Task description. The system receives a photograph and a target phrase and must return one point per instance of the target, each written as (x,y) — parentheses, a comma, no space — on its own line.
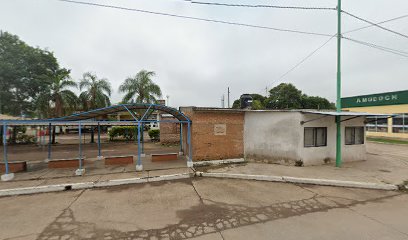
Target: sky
(195,61)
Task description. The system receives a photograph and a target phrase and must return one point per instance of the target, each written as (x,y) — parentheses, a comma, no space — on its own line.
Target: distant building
(387,103)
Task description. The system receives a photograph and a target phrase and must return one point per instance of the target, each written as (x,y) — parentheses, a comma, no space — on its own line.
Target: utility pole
(223,101)
(228,98)
(338,102)
(266,91)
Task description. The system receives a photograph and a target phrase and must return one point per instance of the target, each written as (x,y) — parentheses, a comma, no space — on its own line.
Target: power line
(378,23)
(375,24)
(304,59)
(197,18)
(259,6)
(382,48)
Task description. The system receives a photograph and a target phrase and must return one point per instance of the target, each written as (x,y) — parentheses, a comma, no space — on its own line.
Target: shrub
(126,132)
(154,134)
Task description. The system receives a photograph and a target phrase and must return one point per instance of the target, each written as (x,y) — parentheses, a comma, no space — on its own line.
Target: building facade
(292,137)
(386,103)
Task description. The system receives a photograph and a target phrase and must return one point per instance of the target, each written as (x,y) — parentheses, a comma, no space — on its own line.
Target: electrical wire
(382,48)
(259,6)
(302,61)
(378,23)
(197,18)
(375,24)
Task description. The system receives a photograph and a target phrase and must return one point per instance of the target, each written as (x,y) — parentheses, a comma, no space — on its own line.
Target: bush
(126,132)
(154,134)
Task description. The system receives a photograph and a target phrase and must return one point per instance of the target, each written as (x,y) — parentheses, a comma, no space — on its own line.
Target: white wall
(272,136)
(279,137)
(318,155)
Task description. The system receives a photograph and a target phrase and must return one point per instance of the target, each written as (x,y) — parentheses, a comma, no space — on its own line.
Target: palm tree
(97,91)
(96,95)
(58,100)
(140,88)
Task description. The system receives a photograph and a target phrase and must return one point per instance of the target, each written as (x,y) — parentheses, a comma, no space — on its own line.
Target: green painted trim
(379,99)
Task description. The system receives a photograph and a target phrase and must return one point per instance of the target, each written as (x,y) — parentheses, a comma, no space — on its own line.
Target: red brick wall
(209,141)
(169,132)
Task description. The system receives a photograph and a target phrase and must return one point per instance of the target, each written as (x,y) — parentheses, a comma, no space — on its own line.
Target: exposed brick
(164,157)
(65,163)
(169,131)
(14,167)
(208,140)
(118,160)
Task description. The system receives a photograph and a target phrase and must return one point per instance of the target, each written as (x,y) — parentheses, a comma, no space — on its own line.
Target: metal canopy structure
(93,118)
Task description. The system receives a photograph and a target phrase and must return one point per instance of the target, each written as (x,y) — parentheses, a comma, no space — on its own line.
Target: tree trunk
(92,135)
(53,135)
(14,135)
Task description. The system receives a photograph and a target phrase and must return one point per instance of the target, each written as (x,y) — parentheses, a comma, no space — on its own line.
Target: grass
(387,140)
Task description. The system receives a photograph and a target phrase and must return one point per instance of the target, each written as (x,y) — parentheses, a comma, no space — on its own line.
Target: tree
(257,102)
(23,74)
(140,88)
(311,102)
(284,96)
(96,95)
(96,92)
(287,96)
(58,100)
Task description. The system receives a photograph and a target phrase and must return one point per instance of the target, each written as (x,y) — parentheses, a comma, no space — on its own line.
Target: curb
(314,181)
(120,182)
(218,162)
(90,185)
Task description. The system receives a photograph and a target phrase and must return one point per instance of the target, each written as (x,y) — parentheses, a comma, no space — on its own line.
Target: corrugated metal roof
(120,108)
(334,113)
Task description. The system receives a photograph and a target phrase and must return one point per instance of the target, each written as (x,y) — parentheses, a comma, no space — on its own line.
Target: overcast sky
(196,61)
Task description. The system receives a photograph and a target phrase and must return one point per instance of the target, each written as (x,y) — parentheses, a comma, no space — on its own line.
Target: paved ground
(36,153)
(206,208)
(385,164)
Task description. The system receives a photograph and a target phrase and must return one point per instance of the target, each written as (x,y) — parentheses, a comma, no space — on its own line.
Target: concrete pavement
(206,208)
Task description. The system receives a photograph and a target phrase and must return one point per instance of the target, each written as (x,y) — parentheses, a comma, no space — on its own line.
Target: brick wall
(215,134)
(169,132)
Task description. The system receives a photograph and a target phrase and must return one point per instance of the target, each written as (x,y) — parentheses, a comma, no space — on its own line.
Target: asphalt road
(206,208)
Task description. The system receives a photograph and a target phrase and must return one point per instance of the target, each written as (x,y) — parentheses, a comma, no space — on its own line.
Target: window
(400,123)
(354,135)
(377,124)
(315,137)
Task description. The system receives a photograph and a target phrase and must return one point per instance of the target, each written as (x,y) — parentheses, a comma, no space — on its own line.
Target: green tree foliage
(257,102)
(140,88)
(96,92)
(58,100)
(287,96)
(24,74)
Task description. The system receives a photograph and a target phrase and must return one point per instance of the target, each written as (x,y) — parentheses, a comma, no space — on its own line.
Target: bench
(119,160)
(17,166)
(65,163)
(164,157)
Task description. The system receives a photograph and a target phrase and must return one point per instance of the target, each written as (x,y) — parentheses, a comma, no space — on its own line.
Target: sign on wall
(380,99)
(220,129)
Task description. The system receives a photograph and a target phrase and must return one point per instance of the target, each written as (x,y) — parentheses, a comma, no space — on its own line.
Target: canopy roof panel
(131,108)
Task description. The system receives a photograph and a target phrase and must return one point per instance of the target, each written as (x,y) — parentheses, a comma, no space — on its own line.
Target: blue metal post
(80,145)
(49,141)
(181,137)
(190,154)
(99,141)
(142,130)
(5,147)
(139,158)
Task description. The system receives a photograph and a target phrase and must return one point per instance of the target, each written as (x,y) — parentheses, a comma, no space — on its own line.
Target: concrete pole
(139,166)
(7,176)
(190,154)
(49,142)
(100,157)
(80,171)
(338,102)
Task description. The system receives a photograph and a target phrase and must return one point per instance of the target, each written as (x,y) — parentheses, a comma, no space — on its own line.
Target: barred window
(354,135)
(315,137)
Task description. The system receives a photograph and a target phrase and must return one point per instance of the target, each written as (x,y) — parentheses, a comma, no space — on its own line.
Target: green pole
(338,102)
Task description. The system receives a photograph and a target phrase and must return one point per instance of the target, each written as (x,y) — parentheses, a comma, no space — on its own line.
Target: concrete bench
(65,163)
(164,157)
(17,166)
(119,160)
